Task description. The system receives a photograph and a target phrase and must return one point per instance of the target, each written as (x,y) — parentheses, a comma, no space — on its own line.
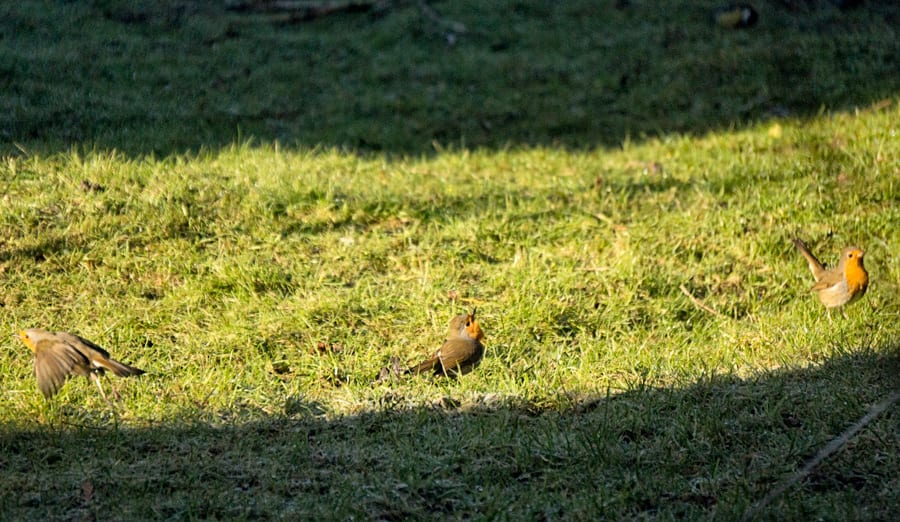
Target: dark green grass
(696,452)
(176,76)
(184,186)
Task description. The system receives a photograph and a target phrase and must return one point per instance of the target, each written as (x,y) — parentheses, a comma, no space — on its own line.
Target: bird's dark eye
(850,255)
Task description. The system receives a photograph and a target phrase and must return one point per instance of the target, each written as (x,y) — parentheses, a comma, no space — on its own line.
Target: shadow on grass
(708,449)
(173,77)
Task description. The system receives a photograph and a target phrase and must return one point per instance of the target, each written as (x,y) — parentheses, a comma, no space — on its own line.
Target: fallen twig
(700,304)
(823,453)
(603,218)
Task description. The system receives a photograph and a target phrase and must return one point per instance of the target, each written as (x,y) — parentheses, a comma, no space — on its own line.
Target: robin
(460,353)
(841,285)
(59,355)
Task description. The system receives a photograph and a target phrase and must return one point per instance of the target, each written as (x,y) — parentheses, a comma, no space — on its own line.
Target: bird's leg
(112,386)
(96,379)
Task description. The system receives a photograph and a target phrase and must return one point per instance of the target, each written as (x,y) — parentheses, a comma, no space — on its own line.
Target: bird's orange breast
(856,275)
(475,331)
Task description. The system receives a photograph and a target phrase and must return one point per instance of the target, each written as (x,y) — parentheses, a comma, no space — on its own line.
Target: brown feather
(460,356)
(61,354)
(98,357)
(53,363)
(425,366)
(815,266)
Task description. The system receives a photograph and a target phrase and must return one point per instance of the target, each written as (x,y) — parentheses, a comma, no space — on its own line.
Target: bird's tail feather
(120,369)
(814,265)
(426,366)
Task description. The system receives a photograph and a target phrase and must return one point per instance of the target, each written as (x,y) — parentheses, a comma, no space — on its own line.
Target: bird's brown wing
(82,345)
(827,279)
(457,355)
(53,363)
(98,356)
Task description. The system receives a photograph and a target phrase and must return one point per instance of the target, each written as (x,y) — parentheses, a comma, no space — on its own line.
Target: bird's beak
(473,312)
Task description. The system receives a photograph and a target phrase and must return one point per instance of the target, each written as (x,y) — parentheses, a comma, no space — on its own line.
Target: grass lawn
(262,215)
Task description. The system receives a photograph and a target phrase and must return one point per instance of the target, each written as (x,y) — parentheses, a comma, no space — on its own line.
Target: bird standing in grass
(841,285)
(59,355)
(460,353)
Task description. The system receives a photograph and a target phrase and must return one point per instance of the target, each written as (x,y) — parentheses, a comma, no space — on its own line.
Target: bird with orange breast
(460,353)
(59,355)
(841,285)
